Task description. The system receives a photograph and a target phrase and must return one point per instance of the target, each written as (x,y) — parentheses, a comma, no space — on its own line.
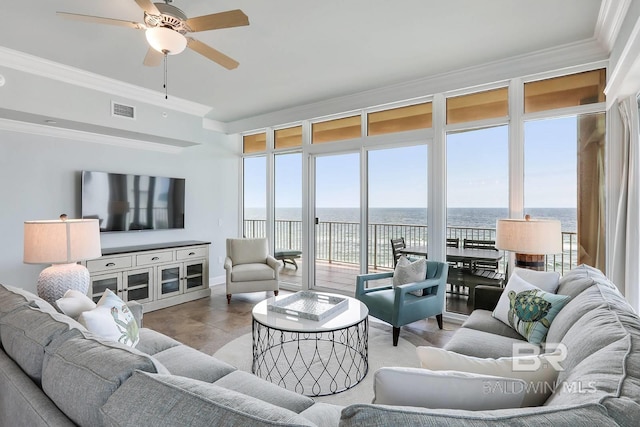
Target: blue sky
(477,172)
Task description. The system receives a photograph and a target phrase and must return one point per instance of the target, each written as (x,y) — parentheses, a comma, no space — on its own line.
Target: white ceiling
(297,52)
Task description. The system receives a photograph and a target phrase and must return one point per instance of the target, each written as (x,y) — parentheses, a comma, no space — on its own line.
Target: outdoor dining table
(467,275)
(466,256)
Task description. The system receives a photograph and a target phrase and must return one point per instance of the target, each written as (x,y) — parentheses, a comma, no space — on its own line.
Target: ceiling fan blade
(153,58)
(101,20)
(231,18)
(148,6)
(212,54)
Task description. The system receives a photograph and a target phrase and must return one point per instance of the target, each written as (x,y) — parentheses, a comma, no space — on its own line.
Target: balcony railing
(340,241)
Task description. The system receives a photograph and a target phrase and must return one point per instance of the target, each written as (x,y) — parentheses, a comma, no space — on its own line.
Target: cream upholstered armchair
(250,268)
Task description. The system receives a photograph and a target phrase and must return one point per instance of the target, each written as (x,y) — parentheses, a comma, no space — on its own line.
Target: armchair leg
(228,298)
(396,334)
(275,292)
(439,320)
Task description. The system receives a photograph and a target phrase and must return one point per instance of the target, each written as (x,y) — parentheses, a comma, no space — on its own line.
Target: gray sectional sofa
(600,384)
(55,373)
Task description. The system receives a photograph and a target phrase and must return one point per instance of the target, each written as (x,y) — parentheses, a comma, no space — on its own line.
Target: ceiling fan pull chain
(165,77)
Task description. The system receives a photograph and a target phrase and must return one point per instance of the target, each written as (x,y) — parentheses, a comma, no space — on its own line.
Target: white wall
(40,179)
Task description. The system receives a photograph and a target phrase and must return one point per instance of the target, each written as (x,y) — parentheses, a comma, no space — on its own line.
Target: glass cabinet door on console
(137,285)
(102,282)
(169,283)
(194,275)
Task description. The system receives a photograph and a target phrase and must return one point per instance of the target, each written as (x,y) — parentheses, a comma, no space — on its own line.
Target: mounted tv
(123,202)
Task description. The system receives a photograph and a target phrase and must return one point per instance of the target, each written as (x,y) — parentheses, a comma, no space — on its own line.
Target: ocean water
(456,217)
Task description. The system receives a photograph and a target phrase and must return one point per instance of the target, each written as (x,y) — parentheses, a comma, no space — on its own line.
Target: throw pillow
(410,272)
(73,303)
(112,320)
(401,386)
(548,281)
(528,309)
(540,374)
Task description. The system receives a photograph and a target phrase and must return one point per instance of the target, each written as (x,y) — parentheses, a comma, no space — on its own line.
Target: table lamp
(61,243)
(530,239)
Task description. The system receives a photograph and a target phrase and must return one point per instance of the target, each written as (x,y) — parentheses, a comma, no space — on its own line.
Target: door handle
(317,221)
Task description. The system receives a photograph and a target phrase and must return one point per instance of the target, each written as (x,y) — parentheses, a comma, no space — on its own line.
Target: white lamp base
(54,281)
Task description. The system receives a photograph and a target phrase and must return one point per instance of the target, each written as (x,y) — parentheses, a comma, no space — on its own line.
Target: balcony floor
(341,278)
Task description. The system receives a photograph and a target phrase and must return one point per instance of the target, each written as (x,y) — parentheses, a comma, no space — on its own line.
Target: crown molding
(557,58)
(214,125)
(53,70)
(610,19)
(77,135)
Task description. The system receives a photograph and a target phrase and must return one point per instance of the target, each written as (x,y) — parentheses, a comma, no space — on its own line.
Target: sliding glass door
(337,221)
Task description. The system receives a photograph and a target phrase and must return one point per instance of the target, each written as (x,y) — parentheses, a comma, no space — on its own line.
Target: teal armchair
(397,306)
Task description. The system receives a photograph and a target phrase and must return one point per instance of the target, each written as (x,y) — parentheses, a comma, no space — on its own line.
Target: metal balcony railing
(340,241)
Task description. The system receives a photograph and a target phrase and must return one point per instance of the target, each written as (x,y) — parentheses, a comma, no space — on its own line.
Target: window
(566,91)
(336,130)
(255,196)
(478,106)
(288,137)
(399,119)
(254,143)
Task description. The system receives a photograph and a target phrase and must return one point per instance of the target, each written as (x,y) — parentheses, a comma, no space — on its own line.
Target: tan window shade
(478,106)
(399,119)
(336,130)
(289,137)
(254,143)
(566,91)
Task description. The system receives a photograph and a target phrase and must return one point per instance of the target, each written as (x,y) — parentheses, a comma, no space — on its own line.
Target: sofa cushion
(481,344)
(161,400)
(249,384)
(598,375)
(539,371)
(81,371)
(323,414)
(12,298)
(191,363)
(593,331)
(152,342)
(22,402)
(26,332)
(483,320)
(383,416)
(528,309)
(251,272)
(581,278)
(112,320)
(446,389)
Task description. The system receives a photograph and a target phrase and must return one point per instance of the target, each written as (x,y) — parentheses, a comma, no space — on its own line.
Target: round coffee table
(314,358)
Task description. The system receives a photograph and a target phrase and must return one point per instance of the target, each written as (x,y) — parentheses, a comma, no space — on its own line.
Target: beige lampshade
(533,236)
(61,242)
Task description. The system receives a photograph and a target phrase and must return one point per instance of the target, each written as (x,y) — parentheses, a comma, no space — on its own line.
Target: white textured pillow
(410,272)
(540,382)
(548,281)
(75,302)
(446,389)
(112,320)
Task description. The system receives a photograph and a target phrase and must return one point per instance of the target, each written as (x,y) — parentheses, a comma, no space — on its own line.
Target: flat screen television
(123,202)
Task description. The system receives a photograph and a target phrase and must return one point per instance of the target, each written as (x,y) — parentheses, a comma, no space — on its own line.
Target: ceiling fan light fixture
(166,40)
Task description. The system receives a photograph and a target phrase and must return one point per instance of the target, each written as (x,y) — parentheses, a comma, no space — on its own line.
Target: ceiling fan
(166,29)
